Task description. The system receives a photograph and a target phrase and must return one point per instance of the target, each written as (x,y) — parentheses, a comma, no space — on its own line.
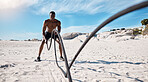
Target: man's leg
(60,48)
(40,49)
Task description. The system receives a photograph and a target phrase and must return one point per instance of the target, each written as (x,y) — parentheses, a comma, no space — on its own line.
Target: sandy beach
(116,32)
(103,60)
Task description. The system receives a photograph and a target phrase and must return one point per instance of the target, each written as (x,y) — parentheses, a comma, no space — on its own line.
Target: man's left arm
(59,26)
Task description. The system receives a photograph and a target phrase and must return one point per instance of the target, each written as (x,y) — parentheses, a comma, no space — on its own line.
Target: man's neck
(51,19)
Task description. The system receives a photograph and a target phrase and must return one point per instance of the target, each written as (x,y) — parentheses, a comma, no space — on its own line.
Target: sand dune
(102,60)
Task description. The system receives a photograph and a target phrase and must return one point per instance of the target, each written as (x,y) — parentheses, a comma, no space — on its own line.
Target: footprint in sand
(37,67)
(26,58)
(25,73)
(2,54)
(92,69)
(16,81)
(7,65)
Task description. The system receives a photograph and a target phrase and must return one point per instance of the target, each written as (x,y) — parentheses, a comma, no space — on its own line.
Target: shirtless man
(49,25)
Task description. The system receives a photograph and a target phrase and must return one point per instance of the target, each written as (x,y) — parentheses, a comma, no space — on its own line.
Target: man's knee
(58,41)
(43,41)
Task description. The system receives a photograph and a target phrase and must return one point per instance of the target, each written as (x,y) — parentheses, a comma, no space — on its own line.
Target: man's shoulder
(47,20)
(57,20)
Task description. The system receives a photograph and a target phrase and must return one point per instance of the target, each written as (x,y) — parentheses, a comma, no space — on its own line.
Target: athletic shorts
(48,35)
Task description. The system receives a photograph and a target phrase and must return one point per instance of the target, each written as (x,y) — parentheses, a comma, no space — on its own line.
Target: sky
(23,19)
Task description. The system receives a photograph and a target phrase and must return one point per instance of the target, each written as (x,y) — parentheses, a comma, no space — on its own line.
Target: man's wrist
(43,36)
(59,31)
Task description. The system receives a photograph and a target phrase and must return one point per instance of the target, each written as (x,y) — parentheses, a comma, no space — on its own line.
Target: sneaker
(61,58)
(38,59)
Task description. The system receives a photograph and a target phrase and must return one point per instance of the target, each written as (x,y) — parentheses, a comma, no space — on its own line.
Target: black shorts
(48,35)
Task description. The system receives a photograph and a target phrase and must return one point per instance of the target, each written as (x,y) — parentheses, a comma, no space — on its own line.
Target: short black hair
(52,12)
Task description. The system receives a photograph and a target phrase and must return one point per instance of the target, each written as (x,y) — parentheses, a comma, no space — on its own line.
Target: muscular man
(49,25)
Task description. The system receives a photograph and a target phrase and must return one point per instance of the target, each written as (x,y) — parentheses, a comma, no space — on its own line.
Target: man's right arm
(44,29)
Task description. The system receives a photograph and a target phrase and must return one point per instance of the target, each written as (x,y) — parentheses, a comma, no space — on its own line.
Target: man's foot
(38,59)
(61,58)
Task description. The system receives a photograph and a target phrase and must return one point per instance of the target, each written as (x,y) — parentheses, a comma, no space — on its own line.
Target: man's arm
(59,26)
(44,29)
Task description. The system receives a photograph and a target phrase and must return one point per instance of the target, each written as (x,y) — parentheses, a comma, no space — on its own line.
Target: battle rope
(64,53)
(50,41)
(123,12)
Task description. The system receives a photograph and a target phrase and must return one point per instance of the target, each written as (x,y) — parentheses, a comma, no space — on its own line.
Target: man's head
(52,15)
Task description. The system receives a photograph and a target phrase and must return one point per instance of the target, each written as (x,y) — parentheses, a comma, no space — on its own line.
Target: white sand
(106,60)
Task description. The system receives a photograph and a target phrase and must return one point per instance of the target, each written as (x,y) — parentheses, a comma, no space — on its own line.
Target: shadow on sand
(112,62)
(136,79)
(109,62)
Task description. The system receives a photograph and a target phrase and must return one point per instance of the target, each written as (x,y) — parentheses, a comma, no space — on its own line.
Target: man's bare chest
(52,24)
